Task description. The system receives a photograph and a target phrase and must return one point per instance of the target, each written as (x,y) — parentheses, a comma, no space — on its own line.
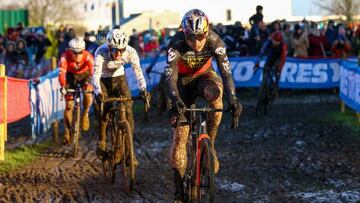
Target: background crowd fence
(55,124)
(350,86)
(46,104)
(3,111)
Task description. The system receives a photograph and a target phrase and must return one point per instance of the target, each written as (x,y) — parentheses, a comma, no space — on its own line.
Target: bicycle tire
(109,167)
(76,131)
(128,165)
(205,174)
(261,100)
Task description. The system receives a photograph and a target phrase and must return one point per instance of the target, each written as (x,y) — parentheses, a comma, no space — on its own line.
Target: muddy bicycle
(200,174)
(119,146)
(75,123)
(266,90)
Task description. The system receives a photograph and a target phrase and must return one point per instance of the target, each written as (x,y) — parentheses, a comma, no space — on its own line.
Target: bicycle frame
(75,125)
(198,133)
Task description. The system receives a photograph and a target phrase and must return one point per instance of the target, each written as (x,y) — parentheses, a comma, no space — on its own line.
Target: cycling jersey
(273,53)
(67,64)
(183,61)
(106,67)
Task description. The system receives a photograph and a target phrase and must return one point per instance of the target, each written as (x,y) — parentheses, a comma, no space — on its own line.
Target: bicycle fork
(203,135)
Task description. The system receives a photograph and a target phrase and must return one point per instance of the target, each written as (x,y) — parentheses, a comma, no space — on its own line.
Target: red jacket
(67,64)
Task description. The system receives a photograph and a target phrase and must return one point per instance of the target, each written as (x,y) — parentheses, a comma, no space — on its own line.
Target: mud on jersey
(106,67)
(183,61)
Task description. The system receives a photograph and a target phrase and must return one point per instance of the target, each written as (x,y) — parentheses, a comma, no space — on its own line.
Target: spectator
(31,42)
(257,41)
(10,55)
(341,46)
(22,55)
(357,42)
(256,18)
(62,44)
(88,42)
(70,35)
(12,34)
(2,49)
(331,33)
(300,43)
(317,44)
(134,41)
(288,39)
(275,26)
(42,44)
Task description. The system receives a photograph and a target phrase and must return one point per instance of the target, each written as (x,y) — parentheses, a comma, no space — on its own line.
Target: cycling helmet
(195,22)
(77,45)
(277,36)
(117,39)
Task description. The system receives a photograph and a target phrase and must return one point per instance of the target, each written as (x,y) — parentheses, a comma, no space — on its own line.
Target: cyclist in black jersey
(190,74)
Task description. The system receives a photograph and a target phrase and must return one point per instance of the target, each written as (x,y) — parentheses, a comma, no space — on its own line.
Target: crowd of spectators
(304,39)
(31,47)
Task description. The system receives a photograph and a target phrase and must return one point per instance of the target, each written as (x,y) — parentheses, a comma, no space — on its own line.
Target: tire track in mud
(267,159)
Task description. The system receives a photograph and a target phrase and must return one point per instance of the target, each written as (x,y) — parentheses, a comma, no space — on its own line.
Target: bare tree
(51,11)
(347,8)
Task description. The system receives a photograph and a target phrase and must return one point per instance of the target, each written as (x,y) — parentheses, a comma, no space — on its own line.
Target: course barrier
(296,73)
(350,85)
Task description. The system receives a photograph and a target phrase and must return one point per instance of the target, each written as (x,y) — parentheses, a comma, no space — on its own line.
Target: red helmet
(195,22)
(277,36)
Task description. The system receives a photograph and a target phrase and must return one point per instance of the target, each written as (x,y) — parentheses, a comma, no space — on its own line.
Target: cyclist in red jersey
(76,66)
(275,51)
(190,74)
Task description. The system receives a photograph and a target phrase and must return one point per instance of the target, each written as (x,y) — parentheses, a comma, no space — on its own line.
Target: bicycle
(75,123)
(200,174)
(266,89)
(120,147)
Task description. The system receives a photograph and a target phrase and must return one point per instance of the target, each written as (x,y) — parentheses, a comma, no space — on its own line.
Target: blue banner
(350,84)
(46,104)
(296,73)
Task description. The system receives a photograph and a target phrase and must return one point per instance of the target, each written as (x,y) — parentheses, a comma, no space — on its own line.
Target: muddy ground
(292,155)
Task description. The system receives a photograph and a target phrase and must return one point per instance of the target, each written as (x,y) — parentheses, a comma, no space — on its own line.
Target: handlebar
(124,99)
(206,110)
(118,99)
(83,91)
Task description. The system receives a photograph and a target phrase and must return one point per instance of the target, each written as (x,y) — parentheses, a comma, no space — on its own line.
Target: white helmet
(77,44)
(117,39)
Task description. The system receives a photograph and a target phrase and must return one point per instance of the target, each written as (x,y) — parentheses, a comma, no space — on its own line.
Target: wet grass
(22,156)
(348,118)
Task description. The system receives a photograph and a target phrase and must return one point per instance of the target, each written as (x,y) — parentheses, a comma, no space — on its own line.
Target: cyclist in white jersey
(109,78)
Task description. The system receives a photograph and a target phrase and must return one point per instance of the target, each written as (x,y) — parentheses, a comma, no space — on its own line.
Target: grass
(20,157)
(348,118)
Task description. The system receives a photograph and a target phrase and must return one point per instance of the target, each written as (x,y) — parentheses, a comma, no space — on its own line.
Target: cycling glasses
(114,50)
(198,37)
(77,52)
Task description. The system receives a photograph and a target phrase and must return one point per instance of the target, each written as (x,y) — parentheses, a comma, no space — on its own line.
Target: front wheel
(109,167)
(205,180)
(75,131)
(129,157)
(262,100)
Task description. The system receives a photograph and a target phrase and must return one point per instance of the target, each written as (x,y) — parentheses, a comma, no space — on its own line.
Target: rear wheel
(205,174)
(128,164)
